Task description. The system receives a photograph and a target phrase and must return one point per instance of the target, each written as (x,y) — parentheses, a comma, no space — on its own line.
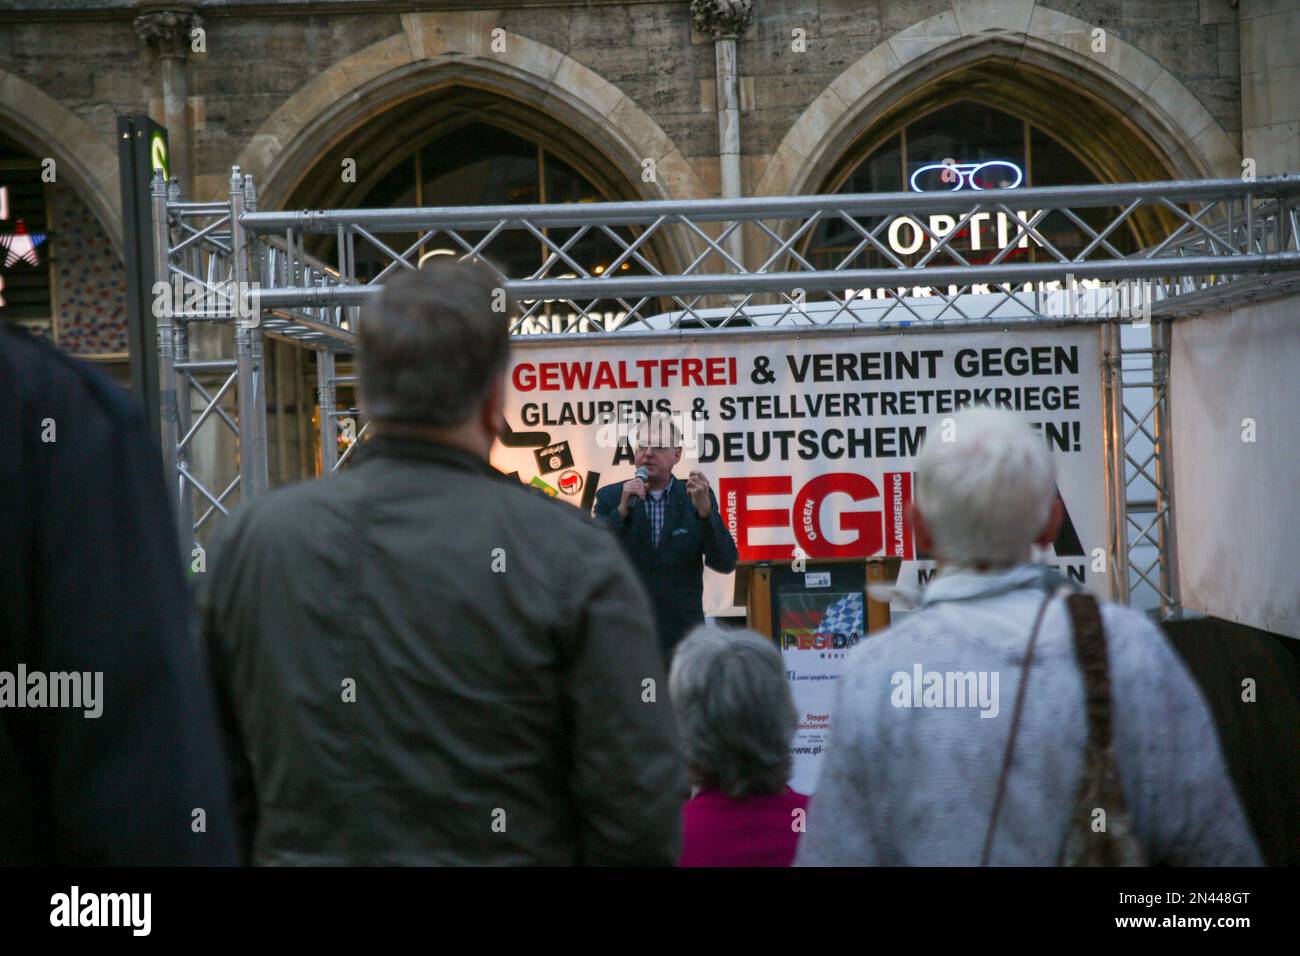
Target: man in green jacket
(421,662)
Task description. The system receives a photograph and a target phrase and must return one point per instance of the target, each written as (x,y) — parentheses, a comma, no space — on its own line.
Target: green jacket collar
(420,449)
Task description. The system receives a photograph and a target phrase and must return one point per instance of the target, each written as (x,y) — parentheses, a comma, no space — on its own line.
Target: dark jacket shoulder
(35,369)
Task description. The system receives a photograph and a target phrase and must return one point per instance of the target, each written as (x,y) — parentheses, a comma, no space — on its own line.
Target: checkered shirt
(655,512)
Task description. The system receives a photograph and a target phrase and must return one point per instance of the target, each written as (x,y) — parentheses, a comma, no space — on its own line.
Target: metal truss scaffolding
(1224,242)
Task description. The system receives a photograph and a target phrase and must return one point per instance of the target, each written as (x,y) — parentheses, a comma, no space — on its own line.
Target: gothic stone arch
(457,47)
(1149,101)
(81,156)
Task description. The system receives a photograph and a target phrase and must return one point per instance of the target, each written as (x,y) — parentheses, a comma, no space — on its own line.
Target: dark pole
(141,147)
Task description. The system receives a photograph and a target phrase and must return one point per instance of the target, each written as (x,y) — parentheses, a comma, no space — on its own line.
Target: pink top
(718,830)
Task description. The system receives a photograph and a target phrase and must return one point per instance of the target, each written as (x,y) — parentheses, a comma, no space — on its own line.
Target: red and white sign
(809,442)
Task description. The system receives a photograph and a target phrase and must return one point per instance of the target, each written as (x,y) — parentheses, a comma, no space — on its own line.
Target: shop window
(483,165)
(983,148)
(59,274)
(26,290)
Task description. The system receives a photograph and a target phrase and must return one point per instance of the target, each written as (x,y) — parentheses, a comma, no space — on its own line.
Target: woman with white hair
(1041,709)
(736,718)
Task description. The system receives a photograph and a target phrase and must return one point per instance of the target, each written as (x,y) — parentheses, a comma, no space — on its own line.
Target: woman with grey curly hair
(736,718)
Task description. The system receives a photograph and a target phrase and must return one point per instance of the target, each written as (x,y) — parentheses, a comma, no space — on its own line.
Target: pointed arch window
(480,164)
(990,148)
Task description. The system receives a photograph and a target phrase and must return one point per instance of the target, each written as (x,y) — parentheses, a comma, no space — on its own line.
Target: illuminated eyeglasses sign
(951,177)
(906,236)
(430,254)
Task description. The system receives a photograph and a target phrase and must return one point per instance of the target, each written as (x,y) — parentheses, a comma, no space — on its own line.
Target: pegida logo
(861,531)
(828,641)
(866,530)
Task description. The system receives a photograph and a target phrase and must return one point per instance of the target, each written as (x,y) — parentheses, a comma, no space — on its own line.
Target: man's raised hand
(697,486)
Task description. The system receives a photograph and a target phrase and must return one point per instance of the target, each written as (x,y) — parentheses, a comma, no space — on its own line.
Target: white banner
(809,443)
(1234,382)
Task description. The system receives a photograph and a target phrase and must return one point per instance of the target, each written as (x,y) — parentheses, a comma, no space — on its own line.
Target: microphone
(643,474)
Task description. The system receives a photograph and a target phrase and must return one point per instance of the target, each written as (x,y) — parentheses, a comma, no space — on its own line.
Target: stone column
(167,27)
(725,20)
(1270,85)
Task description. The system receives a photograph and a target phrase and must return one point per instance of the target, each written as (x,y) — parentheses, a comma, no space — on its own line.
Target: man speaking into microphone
(668,528)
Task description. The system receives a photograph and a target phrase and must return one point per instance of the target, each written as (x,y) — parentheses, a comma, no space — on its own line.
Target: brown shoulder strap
(1116,844)
(1090,652)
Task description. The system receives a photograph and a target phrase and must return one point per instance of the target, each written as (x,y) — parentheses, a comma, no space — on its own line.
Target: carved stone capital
(722,18)
(167,27)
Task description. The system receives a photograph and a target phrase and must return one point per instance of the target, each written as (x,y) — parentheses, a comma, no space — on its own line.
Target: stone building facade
(1131,89)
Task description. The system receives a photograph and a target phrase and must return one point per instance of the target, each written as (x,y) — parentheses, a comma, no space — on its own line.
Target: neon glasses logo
(953,176)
